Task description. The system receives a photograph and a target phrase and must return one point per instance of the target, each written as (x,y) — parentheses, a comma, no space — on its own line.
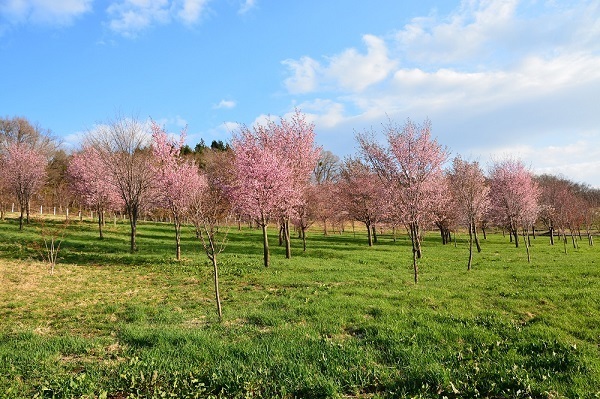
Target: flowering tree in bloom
(295,143)
(444,211)
(24,170)
(409,166)
(514,198)
(471,197)
(362,195)
(261,180)
(176,178)
(272,164)
(93,184)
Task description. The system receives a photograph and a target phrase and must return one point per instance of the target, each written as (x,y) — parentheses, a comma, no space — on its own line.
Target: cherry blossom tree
(471,197)
(24,170)
(261,180)
(410,167)
(272,166)
(363,195)
(305,213)
(444,210)
(176,178)
(514,198)
(124,147)
(93,183)
(295,143)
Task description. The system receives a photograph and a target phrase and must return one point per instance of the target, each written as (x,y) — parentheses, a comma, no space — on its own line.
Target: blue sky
(497,78)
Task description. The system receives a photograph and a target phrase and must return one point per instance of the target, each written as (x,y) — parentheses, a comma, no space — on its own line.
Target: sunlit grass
(339,320)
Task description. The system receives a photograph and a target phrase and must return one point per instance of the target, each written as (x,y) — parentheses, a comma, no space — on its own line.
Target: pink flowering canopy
(24,170)
(411,165)
(272,166)
(92,182)
(514,194)
(177,180)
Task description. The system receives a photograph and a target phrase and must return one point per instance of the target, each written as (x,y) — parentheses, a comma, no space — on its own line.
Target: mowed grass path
(341,320)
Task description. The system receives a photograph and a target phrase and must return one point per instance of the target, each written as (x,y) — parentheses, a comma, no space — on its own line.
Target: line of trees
(274,174)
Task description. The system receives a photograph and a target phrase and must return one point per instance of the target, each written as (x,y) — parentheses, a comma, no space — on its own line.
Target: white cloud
(495,76)
(323,112)
(191,11)
(246,6)
(461,36)
(47,12)
(129,17)
(225,104)
(348,71)
(355,72)
(230,126)
(304,77)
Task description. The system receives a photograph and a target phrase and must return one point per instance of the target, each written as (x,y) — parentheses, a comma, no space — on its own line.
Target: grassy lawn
(341,320)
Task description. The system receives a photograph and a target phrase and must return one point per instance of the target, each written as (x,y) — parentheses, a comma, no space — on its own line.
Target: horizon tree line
(275,173)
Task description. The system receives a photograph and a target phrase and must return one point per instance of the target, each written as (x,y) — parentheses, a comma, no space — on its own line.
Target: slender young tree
(93,183)
(207,210)
(410,166)
(24,170)
(176,177)
(124,147)
(471,197)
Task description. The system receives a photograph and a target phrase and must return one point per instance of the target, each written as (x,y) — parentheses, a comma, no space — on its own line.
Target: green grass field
(341,320)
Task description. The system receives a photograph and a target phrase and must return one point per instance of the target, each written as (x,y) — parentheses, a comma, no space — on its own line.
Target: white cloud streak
(130,17)
(44,12)
(225,104)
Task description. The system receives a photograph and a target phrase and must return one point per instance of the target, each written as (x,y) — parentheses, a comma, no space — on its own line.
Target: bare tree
(21,130)
(124,145)
(327,168)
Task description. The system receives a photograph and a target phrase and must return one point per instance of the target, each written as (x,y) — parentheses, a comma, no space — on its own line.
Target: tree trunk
(418,241)
(303,232)
(573,239)
(21,218)
(564,241)
(286,236)
(267,257)
(177,237)
(515,233)
(133,217)
(477,244)
(484,233)
(216,281)
(442,233)
(526,241)
(470,246)
(374,228)
(414,239)
(551,235)
(324,227)
(369,234)
(281,233)
(28,210)
(100,224)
